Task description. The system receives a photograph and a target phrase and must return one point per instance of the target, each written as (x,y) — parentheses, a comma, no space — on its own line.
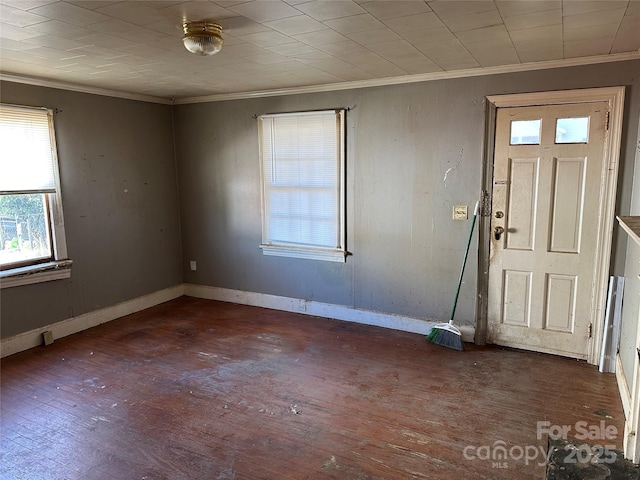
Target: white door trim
(614,96)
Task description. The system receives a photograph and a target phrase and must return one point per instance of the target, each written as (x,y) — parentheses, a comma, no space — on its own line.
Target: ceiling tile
(94,4)
(633,8)
(242,50)
(60,29)
(65,12)
(534,36)
(595,31)
(296,25)
(28,4)
(19,18)
(384,10)
(389,50)
(57,42)
(16,33)
(329,9)
(445,51)
(357,23)
(584,48)
(343,70)
(509,8)
(121,29)
(370,37)
(311,57)
(133,12)
(416,65)
(322,37)
(474,21)
(17,46)
(540,54)
(449,9)
(238,26)
(266,39)
(268,58)
(265,10)
(433,34)
(492,57)
(414,23)
(343,49)
(594,18)
(533,20)
(572,7)
(193,11)
(292,49)
(628,36)
(494,33)
(107,41)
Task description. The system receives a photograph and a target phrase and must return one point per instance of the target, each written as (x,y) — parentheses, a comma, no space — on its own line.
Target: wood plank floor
(197,389)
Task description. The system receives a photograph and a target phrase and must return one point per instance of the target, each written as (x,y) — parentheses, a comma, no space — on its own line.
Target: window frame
(59,266)
(268,247)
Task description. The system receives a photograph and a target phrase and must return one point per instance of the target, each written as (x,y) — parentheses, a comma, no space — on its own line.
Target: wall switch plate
(460,212)
(192,265)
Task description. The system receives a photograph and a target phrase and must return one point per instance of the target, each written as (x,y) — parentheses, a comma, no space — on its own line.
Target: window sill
(326,255)
(43,272)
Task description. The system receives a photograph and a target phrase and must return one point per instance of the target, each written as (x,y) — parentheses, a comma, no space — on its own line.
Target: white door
(548,179)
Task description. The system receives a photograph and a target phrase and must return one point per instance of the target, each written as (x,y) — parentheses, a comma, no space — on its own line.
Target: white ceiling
(135,46)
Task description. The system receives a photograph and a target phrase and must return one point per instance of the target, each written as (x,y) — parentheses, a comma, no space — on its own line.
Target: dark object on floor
(576,460)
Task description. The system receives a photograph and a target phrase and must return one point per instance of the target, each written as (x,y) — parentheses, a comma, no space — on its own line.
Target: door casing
(614,96)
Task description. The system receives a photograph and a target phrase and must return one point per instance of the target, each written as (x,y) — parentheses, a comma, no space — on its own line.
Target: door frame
(614,96)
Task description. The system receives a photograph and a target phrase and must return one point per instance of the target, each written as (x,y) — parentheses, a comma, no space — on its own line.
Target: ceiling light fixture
(203,38)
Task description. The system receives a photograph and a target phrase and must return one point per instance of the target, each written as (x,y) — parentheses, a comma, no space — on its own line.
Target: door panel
(548,174)
(568,202)
(523,190)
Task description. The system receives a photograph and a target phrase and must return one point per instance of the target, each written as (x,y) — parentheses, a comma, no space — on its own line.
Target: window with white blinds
(302,162)
(27,159)
(32,236)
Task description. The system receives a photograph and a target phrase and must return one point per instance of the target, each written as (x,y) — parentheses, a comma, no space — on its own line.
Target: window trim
(337,254)
(60,265)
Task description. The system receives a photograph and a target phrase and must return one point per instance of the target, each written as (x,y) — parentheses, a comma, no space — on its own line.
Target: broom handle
(464,262)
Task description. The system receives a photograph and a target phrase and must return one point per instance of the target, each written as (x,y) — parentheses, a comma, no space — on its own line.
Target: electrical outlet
(192,265)
(460,212)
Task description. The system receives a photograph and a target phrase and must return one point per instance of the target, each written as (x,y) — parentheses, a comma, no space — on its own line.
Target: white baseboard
(327,310)
(33,338)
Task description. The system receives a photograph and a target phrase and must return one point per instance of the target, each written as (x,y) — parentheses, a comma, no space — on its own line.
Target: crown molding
(41,82)
(422,77)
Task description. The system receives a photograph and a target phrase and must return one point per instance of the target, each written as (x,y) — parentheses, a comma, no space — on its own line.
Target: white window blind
(27,158)
(302,159)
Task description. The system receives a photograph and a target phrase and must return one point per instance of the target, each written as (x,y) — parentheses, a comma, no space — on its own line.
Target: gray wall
(413,152)
(123,245)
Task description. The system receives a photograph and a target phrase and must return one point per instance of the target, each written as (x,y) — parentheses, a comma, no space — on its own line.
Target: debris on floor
(574,460)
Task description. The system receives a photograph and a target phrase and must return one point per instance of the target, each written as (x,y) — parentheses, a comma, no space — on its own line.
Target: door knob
(497,232)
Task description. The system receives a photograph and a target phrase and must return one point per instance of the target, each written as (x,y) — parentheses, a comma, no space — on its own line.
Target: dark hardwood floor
(197,389)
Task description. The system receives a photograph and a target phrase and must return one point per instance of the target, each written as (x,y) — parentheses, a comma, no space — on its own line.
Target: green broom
(447,334)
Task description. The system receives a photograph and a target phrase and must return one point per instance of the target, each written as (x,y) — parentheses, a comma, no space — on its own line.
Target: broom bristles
(447,336)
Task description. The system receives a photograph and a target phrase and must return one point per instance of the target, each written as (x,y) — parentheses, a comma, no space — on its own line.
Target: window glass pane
(24,229)
(525,132)
(572,130)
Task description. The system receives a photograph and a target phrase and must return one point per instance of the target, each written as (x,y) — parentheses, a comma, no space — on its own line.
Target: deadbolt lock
(497,232)
(499,214)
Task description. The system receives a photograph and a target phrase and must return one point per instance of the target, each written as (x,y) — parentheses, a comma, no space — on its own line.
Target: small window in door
(525,132)
(572,130)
